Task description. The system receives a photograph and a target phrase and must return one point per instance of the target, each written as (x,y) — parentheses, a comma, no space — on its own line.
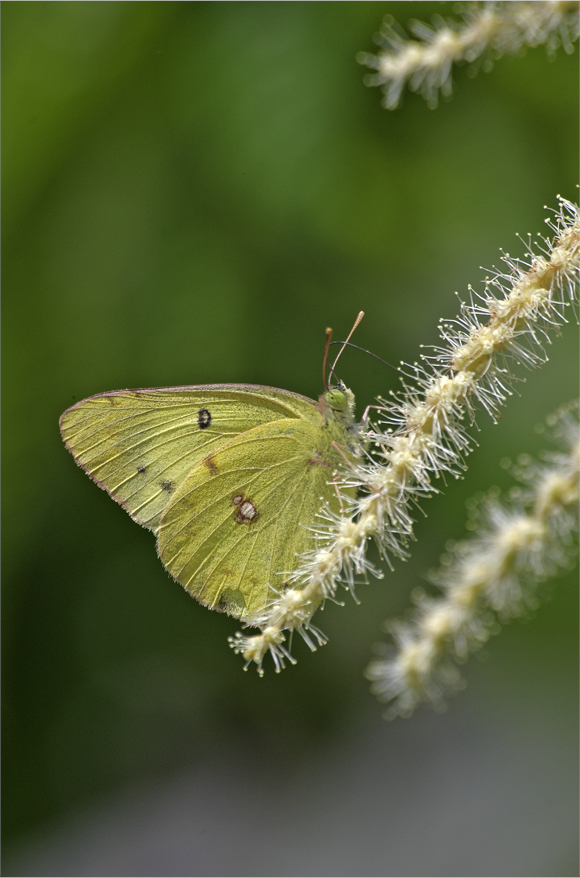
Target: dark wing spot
(141,469)
(237,499)
(203,419)
(211,464)
(167,486)
(246,513)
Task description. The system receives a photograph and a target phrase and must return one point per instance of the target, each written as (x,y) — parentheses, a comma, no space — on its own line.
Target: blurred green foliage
(192,193)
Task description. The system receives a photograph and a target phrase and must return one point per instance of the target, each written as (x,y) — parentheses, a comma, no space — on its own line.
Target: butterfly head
(338,401)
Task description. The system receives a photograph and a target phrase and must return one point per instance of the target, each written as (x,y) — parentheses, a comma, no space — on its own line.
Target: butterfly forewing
(140,445)
(232,532)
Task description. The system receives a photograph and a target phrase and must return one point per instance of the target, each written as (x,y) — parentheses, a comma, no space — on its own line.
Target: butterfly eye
(336,400)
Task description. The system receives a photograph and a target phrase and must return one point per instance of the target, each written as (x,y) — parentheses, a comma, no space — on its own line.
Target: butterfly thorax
(337,409)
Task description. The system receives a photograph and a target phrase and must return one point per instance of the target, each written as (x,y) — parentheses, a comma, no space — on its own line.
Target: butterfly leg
(340,503)
(364,419)
(343,455)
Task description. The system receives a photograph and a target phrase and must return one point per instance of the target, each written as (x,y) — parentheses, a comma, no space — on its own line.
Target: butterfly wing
(234,527)
(139,445)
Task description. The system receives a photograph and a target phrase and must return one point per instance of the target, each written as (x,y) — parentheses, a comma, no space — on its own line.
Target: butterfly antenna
(326,348)
(360,316)
(364,350)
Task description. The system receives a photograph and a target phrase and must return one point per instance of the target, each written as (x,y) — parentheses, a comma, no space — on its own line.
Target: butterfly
(231,478)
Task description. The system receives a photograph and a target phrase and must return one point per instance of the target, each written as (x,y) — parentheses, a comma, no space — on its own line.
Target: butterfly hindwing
(234,527)
(140,445)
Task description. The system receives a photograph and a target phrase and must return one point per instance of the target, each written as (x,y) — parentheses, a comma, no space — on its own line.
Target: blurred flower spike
(494,576)
(488,31)
(424,437)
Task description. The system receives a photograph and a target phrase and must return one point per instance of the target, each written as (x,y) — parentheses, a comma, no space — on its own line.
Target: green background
(192,192)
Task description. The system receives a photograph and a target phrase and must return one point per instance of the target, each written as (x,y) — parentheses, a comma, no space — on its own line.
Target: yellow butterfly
(230,477)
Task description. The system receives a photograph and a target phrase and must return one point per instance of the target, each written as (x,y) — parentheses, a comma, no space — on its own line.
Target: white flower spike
(488,30)
(425,436)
